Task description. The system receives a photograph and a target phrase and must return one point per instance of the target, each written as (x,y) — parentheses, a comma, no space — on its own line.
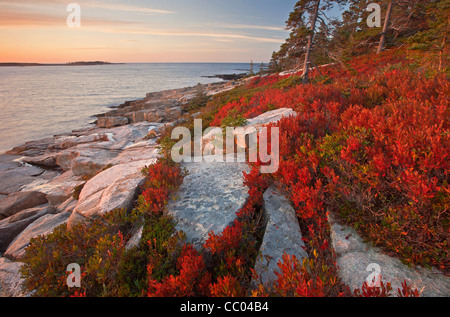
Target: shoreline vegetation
(359,206)
(143,252)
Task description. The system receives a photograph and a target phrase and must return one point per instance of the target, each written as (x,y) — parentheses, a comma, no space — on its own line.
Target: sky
(138,31)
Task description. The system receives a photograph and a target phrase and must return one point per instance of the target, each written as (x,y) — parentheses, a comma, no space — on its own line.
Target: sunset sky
(143,31)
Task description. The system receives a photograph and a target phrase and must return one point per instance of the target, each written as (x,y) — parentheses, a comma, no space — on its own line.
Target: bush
(98,252)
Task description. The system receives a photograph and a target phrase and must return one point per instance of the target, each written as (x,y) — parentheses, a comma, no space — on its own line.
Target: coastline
(42,179)
(42,105)
(119,136)
(168,102)
(56,64)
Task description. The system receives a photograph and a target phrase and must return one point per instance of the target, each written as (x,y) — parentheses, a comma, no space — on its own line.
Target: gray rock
(270,117)
(208,199)
(47,160)
(43,184)
(11,227)
(109,122)
(143,115)
(68,206)
(32,148)
(8,162)
(20,201)
(14,179)
(85,159)
(88,136)
(42,226)
(62,188)
(251,128)
(139,151)
(135,238)
(282,235)
(132,133)
(112,189)
(354,257)
(90,158)
(10,279)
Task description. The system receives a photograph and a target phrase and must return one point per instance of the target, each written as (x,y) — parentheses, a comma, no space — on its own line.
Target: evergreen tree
(434,37)
(305,43)
(317,39)
(385,27)
(402,19)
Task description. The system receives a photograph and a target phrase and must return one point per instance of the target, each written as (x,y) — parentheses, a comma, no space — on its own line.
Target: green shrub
(98,251)
(234,119)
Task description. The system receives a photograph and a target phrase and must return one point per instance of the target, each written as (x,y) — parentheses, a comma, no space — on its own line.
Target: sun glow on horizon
(134,31)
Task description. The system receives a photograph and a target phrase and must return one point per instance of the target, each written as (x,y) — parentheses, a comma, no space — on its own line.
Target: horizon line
(106,63)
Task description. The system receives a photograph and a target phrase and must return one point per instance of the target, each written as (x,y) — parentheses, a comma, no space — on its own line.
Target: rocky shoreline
(84,173)
(72,177)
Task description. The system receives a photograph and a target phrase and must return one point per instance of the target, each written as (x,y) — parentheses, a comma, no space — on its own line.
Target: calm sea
(39,102)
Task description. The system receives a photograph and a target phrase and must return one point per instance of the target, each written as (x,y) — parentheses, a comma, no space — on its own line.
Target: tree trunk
(310,41)
(441,53)
(385,28)
(442,48)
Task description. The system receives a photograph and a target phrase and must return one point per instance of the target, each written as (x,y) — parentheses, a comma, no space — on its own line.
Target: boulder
(135,238)
(282,235)
(85,159)
(68,206)
(109,122)
(270,117)
(43,183)
(11,227)
(89,136)
(172,114)
(111,189)
(32,148)
(132,133)
(47,160)
(208,199)
(357,260)
(42,226)
(8,162)
(90,158)
(251,127)
(139,151)
(14,179)
(62,188)
(10,279)
(20,201)
(150,115)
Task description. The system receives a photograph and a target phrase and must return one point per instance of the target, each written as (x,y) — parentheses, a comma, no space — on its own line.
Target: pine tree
(434,37)
(406,18)
(315,38)
(307,19)
(385,27)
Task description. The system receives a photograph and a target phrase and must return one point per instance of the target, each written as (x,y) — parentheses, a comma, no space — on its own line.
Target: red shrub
(227,286)
(162,179)
(193,279)
(230,238)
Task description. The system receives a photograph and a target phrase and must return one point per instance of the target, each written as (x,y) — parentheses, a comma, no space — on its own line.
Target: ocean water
(39,102)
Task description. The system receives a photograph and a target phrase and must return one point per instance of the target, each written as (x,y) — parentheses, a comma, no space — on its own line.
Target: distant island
(88,63)
(228,76)
(82,63)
